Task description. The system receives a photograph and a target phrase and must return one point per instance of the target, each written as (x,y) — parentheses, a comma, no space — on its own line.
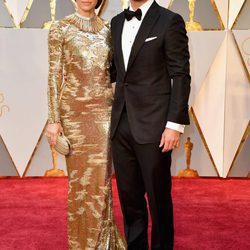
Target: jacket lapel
(146,26)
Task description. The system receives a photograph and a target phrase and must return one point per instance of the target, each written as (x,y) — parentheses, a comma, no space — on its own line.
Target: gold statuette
(188,172)
(48,24)
(248,176)
(54,171)
(191,25)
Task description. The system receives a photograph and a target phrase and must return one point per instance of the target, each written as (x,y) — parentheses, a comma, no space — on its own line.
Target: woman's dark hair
(99,2)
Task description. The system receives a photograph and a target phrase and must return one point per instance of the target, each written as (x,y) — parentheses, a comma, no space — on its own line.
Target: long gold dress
(80,49)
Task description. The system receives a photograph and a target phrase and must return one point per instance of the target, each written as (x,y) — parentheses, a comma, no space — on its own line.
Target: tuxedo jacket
(156,85)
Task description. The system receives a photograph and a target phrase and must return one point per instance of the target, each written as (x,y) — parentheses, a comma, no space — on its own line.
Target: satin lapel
(119,42)
(146,26)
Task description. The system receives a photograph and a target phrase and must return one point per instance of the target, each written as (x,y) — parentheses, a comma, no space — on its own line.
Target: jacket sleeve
(112,65)
(55,47)
(177,56)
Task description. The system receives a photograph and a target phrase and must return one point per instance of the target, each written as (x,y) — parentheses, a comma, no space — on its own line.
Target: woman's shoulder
(62,23)
(106,23)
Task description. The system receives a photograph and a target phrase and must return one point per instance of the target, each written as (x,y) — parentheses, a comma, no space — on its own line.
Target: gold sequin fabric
(80,50)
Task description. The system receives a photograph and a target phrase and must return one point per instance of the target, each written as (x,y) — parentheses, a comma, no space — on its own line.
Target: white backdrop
(220,97)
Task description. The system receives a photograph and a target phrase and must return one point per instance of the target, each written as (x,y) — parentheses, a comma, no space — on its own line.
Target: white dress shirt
(130,30)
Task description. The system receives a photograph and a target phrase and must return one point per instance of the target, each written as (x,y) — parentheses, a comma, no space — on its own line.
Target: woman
(79,47)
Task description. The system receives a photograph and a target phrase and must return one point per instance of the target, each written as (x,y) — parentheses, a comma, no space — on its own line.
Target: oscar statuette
(188,172)
(54,172)
(48,24)
(248,176)
(191,25)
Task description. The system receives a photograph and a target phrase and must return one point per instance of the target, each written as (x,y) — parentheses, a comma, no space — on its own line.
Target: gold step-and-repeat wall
(219,41)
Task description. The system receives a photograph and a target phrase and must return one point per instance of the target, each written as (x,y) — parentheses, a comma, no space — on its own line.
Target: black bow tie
(130,14)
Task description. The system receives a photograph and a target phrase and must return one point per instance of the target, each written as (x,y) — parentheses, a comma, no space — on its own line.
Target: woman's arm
(55,46)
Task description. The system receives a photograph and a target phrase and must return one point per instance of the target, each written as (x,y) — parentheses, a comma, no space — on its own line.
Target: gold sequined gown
(80,49)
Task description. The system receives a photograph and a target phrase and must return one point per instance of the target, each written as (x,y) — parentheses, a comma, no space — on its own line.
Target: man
(150,110)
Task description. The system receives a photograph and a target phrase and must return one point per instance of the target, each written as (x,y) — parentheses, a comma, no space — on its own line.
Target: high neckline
(92,25)
(84,17)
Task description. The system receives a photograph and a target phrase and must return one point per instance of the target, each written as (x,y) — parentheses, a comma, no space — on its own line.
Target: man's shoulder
(117,18)
(168,17)
(168,14)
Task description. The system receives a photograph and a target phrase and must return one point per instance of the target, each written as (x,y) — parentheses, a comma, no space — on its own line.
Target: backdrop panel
(23,78)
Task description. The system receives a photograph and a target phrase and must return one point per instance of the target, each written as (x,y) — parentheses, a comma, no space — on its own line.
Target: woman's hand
(52,132)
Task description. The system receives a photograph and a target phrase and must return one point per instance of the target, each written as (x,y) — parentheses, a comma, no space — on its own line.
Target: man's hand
(52,132)
(170,139)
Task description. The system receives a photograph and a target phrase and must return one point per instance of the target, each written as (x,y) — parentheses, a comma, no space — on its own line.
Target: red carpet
(209,214)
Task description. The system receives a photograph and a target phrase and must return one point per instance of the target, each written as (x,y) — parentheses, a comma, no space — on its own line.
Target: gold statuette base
(54,172)
(188,173)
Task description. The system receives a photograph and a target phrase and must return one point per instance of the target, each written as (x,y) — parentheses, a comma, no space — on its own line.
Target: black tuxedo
(153,90)
(146,85)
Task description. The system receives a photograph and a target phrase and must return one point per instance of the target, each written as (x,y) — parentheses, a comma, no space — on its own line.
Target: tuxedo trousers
(143,174)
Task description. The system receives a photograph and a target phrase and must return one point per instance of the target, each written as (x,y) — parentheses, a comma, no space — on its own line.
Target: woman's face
(86,5)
